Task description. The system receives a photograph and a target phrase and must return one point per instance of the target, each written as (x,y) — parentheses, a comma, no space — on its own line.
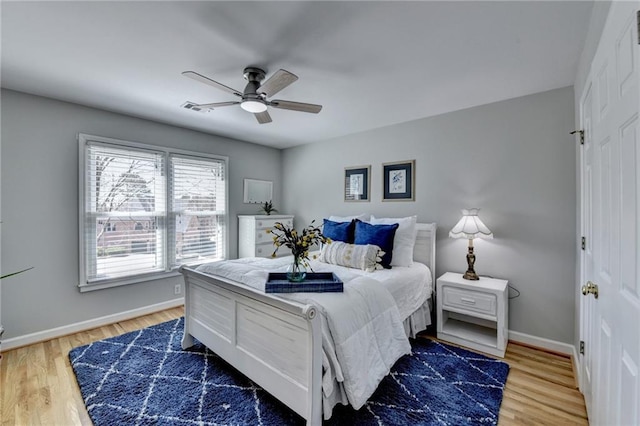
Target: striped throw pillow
(358,256)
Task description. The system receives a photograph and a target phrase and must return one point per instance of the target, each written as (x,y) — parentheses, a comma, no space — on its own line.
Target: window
(198,207)
(146,210)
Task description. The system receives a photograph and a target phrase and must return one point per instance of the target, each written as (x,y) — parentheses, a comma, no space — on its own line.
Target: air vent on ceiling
(193,107)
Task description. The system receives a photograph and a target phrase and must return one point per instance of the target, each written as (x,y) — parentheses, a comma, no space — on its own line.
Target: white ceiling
(371,64)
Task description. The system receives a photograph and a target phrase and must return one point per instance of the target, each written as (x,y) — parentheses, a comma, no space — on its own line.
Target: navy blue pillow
(338,231)
(380,235)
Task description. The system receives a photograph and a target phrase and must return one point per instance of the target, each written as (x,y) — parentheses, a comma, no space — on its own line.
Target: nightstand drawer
(469,300)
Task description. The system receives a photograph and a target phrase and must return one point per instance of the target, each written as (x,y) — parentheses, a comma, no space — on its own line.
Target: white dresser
(253,240)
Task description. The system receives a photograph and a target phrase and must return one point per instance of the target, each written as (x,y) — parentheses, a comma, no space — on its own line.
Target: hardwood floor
(39,387)
(541,389)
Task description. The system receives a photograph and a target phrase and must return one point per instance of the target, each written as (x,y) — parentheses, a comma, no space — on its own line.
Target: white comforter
(362,333)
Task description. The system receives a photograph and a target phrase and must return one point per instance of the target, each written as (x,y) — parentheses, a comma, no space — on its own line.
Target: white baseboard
(40,336)
(541,342)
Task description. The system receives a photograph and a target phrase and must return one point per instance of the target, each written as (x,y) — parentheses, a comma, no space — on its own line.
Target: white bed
(302,347)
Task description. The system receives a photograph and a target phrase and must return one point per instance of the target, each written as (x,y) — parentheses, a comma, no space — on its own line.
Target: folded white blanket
(368,336)
(363,334)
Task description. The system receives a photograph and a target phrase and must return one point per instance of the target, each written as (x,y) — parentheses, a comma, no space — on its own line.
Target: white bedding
(410,286)
(362,330)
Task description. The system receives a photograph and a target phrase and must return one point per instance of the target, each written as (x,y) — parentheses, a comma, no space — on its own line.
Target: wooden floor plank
(39,387)
(560,393)
(550,374)
(526,352)
(543,414)
(573,408)
(523,362)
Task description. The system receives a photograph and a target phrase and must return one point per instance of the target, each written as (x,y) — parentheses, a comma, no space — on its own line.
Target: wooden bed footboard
(275,342)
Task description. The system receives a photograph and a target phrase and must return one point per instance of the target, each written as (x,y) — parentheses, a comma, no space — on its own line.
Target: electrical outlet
(177,289)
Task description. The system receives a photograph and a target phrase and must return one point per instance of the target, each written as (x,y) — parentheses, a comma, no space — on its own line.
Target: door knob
(590,288)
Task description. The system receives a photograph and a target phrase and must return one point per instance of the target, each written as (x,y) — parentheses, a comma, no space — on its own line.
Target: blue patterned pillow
(379,235)
(338,231)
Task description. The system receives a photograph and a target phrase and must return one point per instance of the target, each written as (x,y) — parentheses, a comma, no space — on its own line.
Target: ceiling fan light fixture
(253,106)
(255,97)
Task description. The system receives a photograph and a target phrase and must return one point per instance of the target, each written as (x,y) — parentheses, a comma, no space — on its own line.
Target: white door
(587,305)
(611,175)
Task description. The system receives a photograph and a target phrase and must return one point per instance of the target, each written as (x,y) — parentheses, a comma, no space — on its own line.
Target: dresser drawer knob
(467,301)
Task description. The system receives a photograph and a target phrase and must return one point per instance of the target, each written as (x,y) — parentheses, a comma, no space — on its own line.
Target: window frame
(84,140)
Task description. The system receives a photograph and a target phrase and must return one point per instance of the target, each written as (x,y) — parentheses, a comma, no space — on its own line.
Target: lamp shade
(470,226)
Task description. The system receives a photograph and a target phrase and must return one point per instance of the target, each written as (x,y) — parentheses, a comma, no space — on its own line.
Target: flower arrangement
(299,243)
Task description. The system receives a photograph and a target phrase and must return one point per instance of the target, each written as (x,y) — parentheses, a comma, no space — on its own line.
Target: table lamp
(470,227)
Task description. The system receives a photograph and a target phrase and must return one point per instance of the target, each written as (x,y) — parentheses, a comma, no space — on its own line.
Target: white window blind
(198,206)
(146,210)
(126,210)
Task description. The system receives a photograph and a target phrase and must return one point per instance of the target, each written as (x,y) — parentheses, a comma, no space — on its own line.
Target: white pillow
(359,256)
(404,240)
(363,217)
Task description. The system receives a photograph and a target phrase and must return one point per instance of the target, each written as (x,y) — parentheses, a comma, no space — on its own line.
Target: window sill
(116,282)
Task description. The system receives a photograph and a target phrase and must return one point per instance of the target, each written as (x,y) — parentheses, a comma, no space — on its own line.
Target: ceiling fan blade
(296,106)
(217,105)
(263,117)
(202,79)
(278,81)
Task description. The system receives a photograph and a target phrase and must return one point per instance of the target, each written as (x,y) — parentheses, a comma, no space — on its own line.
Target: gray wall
(513,159)
(39,185)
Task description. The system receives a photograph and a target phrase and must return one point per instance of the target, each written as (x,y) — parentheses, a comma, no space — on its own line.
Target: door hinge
(581,347)
(583,243)
(581,135)
(638,22)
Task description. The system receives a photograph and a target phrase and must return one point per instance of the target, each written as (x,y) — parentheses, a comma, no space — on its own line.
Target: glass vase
(296,271)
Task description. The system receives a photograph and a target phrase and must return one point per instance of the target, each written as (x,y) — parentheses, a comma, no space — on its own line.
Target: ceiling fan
(254,98)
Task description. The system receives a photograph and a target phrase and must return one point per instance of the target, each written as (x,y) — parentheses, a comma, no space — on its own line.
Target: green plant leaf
(14,273)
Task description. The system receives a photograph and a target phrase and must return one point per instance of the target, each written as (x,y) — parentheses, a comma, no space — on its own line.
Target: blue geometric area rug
(144,378)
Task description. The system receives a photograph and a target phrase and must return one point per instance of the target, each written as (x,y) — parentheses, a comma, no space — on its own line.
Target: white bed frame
(275,342)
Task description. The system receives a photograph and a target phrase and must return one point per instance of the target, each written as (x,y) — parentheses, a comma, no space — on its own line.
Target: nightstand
(473,313)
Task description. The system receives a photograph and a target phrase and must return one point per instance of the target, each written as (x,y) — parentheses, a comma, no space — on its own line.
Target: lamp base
(471,275)
(471,259)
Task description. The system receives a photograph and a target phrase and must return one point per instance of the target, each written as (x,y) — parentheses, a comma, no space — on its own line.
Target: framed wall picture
(356,183)
(398,181)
